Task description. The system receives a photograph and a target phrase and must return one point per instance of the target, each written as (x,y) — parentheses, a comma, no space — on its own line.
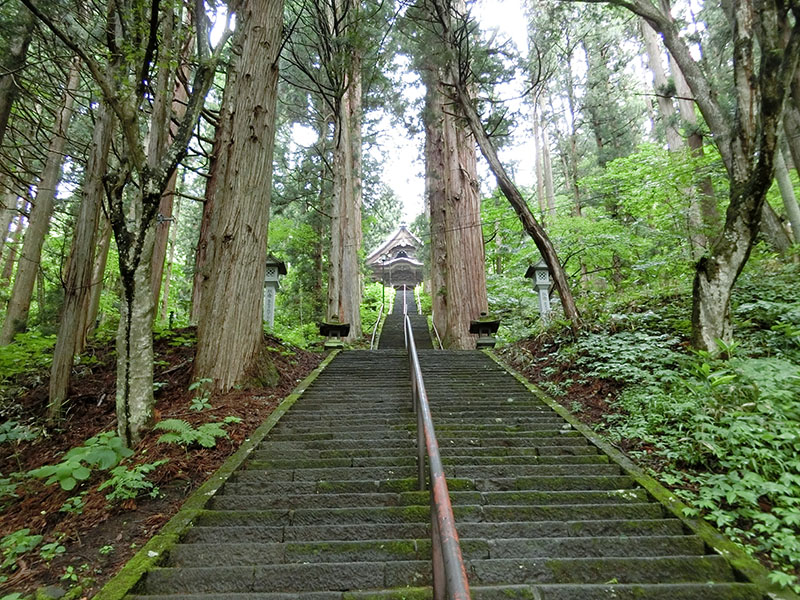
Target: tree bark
(170,261)
(98,273)
(344,270)
(16,320)
(78,280)
(458,274)
(435,193)
(13,245)
(787,194)
(14,60)
(230,334)
(547,168)
(175,96)
(8,209)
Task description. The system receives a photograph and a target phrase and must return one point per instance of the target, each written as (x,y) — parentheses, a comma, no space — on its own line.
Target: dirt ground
(101,536)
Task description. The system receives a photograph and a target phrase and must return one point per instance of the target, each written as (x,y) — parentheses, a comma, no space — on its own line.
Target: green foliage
(30,353)
(15,432)
(200,401)
(182,433)
(102,451)
(129,484)
(49,551)
(374,293)
(14,545)
(73,504)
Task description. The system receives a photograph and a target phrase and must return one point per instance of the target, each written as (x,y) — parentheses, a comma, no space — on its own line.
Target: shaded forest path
(326,507)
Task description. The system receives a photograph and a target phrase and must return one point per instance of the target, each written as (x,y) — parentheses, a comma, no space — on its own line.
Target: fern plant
(182,433)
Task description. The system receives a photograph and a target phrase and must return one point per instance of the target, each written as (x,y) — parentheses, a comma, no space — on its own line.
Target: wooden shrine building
(395,261)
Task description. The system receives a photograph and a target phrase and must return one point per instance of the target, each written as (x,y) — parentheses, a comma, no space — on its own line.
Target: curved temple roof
(394,262)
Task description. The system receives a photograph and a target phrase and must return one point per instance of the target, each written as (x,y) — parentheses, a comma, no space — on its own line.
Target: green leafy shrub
(15,545)
(102,451)
(129,484)
(201,400)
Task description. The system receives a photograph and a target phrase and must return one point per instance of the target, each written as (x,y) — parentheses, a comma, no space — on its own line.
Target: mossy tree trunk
(230,334)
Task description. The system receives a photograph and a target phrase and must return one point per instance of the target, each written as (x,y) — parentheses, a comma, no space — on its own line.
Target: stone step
(231,501)
(674,591)
(263,460)
(366,575)
(470,513)
(405,472)
(202,533)
(454,429)
(449,451)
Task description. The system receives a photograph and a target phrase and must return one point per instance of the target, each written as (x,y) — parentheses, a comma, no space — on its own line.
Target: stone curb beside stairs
(154,551)
(739,560)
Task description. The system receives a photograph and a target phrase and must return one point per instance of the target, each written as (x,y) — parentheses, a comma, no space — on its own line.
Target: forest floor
(96,537)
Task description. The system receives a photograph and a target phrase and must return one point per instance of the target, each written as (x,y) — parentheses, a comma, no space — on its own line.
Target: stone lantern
(335,332)
(486,328)
(275,269)
(541,280)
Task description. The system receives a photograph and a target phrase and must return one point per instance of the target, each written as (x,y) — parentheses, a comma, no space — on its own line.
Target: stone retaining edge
(154,551)
(747,566)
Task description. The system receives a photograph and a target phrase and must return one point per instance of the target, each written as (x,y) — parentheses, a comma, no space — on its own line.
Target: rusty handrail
(449,573)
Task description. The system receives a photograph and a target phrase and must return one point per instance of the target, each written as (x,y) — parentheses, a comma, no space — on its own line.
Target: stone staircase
(326,507)
(392,335)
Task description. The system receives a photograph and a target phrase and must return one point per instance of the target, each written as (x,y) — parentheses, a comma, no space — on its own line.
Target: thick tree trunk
(458,275)
(19,38)
(230,334)
(465,277)
(16,319)
(135,341)
(435,192)
(344,274)
(78,280)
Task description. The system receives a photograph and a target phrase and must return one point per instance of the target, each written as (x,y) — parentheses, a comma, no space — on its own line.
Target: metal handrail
(375,328)
(449,573)
(436,332)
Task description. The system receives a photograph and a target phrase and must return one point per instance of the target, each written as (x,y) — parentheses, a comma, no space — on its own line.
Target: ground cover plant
(75,504)
(722,432)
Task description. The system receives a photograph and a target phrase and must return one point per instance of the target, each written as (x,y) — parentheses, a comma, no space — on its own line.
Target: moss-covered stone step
(352,435)
(451,450)
(555,482)
(521,441)
(606,546)
(354,486)
(531,459)
(328,516)
(583,512)
(400,472)
(255,534)
(257,462)
(236,554)
(503,471)
(366,575)
(704,591)
(341,444)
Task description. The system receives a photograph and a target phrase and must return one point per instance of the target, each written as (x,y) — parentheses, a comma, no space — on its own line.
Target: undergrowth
(723,432)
